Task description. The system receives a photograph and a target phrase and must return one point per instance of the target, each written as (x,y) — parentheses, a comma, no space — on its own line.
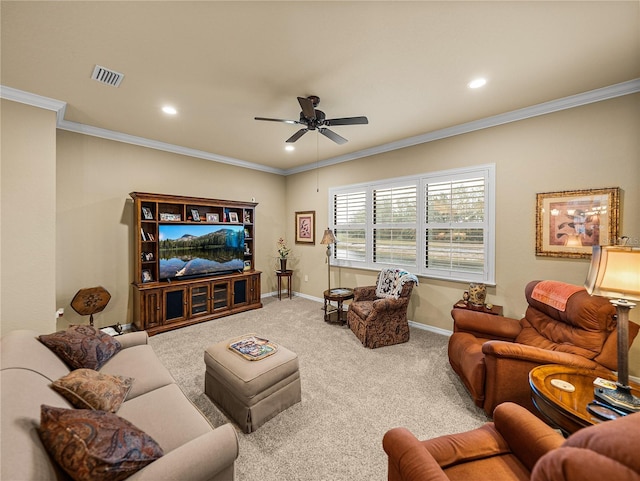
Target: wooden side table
(338,294)
(495,309)
(280,274)
(563,409)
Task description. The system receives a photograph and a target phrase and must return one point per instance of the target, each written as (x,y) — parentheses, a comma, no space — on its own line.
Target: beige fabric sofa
(193,449)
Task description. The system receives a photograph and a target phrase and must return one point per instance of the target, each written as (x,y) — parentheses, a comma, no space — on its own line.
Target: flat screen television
(196,250)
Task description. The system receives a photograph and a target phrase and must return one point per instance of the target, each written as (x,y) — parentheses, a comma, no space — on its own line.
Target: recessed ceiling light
(477,83)
(167,109)
(289,148)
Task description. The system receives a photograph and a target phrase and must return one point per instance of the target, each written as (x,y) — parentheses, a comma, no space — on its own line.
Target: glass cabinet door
(199,300)
(220,297)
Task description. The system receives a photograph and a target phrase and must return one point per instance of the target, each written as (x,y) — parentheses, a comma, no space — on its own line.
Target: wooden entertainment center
(162,304)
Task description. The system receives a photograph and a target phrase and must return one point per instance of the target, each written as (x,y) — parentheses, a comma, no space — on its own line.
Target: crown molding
(34,100)
(578,100)
(59,107)
(155,144)
(585,98)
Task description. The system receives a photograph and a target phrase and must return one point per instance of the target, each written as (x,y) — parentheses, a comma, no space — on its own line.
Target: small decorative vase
(283,264)
(477,294)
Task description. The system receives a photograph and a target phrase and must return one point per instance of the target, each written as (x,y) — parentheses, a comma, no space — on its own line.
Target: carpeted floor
(350,395)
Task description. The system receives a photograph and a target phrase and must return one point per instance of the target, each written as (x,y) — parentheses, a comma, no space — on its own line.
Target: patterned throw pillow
(82,346)
(95,445)
(89,389)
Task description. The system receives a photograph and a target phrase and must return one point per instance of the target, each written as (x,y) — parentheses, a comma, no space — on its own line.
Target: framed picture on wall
(306,227)
(569,223)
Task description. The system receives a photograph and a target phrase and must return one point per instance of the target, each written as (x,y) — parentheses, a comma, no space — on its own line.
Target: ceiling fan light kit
(314,119)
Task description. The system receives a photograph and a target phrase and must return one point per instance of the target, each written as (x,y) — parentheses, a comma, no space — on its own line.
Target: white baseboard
(436,330)
(294,294)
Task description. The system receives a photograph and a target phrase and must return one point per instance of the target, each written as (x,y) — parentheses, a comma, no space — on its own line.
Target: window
(394,225)
(437,225)
(349,225)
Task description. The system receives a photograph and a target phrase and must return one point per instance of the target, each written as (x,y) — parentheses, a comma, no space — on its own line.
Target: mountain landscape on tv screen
(199,255)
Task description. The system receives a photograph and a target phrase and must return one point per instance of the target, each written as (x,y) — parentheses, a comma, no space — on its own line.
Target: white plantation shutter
(438,225)
(349,224)
(394,225)
(455,226)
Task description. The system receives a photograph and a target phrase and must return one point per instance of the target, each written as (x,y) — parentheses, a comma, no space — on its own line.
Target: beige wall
(95,215)
(88,213)
(27,240)
(587,147)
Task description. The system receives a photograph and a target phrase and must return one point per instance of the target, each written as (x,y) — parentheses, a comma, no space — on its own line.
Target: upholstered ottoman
(251,392)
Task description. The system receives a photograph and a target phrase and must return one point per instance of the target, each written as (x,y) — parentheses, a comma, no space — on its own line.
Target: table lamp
(615,273)
(328,238)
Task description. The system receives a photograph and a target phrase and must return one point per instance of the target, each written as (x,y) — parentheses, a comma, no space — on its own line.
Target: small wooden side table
(495,309)
(288,274)
(563,409)
(338,294)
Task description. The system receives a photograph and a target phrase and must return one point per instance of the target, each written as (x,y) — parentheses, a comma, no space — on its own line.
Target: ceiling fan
(314,119)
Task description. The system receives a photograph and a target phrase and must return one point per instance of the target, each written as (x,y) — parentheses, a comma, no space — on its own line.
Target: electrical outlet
(306,278)
(60,312)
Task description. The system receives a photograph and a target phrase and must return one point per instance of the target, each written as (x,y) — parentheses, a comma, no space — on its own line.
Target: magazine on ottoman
(253,348)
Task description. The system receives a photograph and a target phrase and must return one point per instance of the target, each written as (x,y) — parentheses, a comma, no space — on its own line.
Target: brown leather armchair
(518,446)
(377,321)
(493,354)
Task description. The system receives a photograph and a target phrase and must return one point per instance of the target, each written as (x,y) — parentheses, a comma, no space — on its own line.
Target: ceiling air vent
(106,76)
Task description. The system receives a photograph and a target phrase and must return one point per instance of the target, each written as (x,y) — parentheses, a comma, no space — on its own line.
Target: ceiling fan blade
(307,107)
(297,135)
(278,120)
(347,121)
(330,134)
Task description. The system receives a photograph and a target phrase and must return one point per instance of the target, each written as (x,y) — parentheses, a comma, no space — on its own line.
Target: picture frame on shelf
(570,223)
(306,227)
(247,234)
(147,214)
(233,217)
(247,265)
(247,217)
(168,217)
(212,217)
(146,276)
(195,215)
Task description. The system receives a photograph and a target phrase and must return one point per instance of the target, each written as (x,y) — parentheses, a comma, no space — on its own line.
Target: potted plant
(283,253)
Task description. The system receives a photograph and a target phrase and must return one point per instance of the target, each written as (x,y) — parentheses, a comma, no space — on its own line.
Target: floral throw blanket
(391,282)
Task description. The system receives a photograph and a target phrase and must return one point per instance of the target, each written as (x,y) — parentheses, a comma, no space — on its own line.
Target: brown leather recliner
(493,354)
(518,446)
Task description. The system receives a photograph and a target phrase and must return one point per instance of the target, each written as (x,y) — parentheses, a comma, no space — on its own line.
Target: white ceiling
(405,65)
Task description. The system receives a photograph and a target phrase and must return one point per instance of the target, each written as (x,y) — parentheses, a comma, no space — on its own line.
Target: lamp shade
(614,272)
(328,237)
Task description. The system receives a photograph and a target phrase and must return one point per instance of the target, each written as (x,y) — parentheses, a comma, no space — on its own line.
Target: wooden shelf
(162,305)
